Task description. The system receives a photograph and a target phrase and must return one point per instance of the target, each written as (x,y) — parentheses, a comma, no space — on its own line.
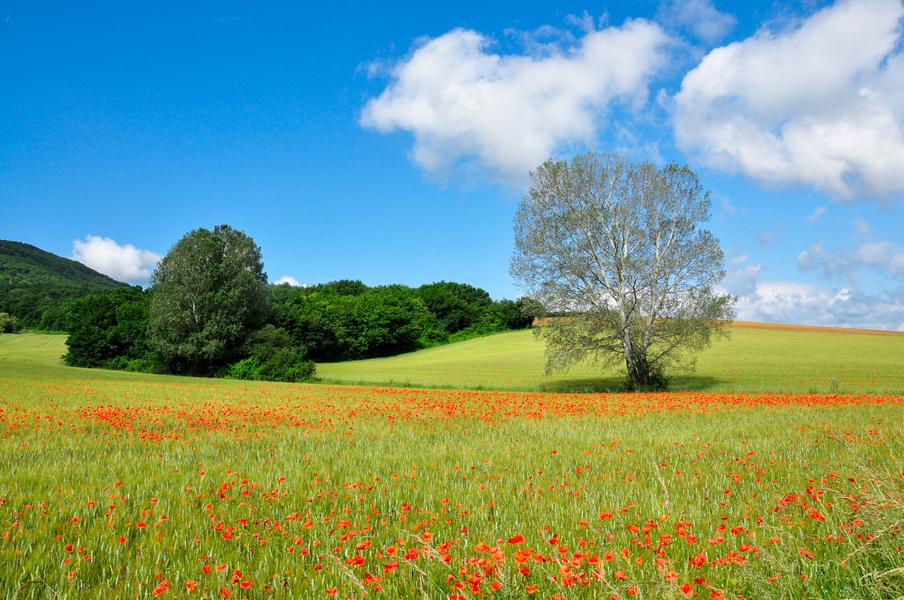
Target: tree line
(210,312)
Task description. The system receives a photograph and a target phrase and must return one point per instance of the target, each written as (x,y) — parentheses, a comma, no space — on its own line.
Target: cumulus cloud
(288,279)
(821,103)
(123,262)
(793,302)
(882,256)
(699,17)
(774,301)
(507,113)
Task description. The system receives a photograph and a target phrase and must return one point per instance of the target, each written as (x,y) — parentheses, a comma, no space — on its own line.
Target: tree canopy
(209,293)
(619,248)
(456,306)
(108,330)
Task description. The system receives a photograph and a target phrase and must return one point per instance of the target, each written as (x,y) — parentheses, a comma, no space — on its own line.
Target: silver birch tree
(617,249)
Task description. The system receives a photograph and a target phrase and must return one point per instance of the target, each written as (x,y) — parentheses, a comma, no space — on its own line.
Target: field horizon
(754,358)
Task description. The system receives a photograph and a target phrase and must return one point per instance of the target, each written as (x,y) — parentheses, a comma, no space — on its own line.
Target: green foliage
(312,319)
(345,320)
(344,287)
(273,357)
(8,324)
(35,285)
(267,341)
(209,292)
(378,321)
(383,321)
(108,330)
(456,306)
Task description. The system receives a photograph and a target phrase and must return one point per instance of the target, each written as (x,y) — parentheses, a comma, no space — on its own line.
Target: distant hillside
(35,284)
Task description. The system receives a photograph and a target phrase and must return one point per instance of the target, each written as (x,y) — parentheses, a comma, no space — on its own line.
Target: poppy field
(136,486)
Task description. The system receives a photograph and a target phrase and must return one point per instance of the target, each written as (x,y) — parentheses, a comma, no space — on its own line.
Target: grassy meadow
(755,358)
(126,485)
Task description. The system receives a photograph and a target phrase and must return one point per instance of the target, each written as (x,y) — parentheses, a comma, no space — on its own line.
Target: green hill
(35,284)
(757,357)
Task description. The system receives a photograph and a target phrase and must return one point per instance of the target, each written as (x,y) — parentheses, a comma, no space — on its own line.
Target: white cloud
(741,278)
(796,302)
(792,302)
(828,264)
(883,256)
(288,279)
(699,17)
(507,113)
(816,215)
(820,104)
(121,262)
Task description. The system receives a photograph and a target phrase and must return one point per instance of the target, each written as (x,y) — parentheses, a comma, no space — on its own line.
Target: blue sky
(392,144)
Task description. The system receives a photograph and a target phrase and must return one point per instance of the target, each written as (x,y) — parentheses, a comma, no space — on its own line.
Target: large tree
(618,249)
(209,293)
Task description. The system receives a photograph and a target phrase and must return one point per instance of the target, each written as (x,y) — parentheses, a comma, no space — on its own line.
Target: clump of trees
(110,331)
(346,320)
(619,248)
(210,312)
(205,314)
(8,323)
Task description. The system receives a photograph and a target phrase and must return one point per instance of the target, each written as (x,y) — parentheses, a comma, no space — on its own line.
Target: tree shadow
(677,383)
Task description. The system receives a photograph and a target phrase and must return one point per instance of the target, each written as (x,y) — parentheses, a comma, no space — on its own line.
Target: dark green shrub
(287,364)
(8,323)
(272,357)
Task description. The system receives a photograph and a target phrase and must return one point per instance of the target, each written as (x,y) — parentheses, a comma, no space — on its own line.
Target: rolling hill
(36,284)
(756,357)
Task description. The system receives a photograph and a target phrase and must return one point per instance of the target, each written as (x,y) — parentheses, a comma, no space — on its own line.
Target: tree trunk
(639,372)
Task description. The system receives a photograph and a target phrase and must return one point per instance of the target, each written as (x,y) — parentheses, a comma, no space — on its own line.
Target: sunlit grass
(302,491)
(750,360)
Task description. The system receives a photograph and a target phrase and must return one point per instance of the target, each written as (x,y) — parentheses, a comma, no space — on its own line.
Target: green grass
(750,360)
(113,483)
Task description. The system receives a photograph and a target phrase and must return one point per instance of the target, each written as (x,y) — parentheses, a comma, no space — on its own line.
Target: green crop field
(123,485)
(751,359)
